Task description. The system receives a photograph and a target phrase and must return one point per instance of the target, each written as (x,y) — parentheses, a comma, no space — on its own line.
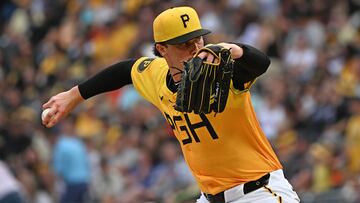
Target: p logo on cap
(177,25)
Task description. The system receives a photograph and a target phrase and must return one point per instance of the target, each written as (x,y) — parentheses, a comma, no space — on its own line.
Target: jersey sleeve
(147,77)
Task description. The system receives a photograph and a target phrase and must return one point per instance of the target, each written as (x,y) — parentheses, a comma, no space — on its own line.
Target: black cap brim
(188,36)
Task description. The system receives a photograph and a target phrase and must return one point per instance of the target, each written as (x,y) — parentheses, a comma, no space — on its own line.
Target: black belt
(248,187)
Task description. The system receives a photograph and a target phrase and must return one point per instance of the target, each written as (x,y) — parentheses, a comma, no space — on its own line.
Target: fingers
(54,113)
(48,116)
(55,118)
(208,57)
(202,55)
(48,104)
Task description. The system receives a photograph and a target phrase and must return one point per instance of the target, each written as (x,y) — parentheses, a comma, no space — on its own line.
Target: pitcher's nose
(194,48)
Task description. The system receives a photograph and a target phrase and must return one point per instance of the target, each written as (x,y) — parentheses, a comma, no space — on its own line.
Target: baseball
(45,113)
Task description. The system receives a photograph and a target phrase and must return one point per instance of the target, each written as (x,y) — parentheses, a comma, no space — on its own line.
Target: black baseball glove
(204,87)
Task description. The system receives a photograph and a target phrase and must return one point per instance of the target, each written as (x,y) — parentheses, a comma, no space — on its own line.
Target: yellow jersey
(222,150)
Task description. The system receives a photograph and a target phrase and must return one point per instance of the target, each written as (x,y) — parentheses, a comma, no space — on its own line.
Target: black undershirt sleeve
(111,78)
(251,65)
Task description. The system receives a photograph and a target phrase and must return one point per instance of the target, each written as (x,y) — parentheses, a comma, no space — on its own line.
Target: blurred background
(117,148)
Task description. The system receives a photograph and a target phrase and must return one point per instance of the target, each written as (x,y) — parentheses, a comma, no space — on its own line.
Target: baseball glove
(204,86)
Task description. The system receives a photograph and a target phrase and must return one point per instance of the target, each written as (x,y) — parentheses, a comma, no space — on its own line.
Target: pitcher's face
(176,55)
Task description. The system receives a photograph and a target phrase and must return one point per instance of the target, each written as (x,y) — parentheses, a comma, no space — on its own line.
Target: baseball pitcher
(203,91)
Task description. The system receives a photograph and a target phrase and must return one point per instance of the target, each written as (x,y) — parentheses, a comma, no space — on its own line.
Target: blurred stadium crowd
(120,147)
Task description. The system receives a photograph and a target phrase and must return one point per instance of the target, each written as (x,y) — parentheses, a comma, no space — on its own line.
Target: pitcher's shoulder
(145,63)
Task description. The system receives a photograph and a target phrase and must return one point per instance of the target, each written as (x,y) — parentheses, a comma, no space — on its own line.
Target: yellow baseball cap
(177,25)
